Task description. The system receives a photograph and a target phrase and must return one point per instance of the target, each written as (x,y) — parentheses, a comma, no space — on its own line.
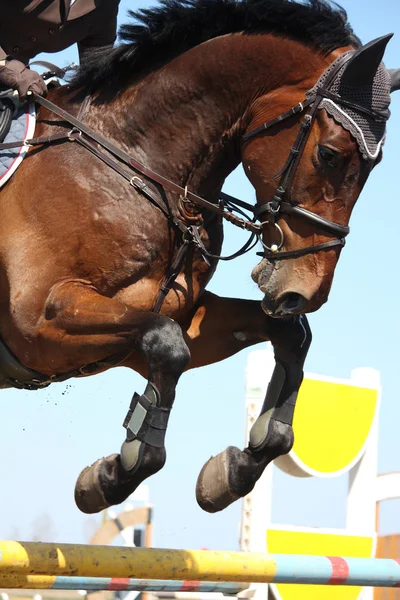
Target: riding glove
(14,74)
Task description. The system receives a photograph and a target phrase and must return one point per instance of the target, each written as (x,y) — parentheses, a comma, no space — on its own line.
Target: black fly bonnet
(368,128)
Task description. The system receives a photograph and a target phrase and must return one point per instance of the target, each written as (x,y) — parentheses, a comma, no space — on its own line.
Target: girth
(15,374)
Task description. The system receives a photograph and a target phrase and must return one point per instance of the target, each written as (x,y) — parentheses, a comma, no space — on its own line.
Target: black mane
(158,34)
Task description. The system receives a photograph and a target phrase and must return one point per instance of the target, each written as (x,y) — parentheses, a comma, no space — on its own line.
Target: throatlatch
(145,423)
(282,392)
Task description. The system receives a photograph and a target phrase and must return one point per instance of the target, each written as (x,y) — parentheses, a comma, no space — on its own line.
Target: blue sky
(49,436)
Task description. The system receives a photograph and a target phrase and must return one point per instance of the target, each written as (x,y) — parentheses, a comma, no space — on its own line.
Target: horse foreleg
(221,327)
(97,326)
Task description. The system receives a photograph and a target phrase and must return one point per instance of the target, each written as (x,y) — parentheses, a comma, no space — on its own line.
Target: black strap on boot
(146,421)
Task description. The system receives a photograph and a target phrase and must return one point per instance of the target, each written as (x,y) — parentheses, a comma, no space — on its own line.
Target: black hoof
(233,473)
(89,496)
(106,483)
(213,488)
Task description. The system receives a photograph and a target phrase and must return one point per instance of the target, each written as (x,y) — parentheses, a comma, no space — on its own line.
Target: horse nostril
(289,303)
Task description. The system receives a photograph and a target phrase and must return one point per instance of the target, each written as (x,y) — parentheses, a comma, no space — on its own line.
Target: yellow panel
(331,424)
(318,544)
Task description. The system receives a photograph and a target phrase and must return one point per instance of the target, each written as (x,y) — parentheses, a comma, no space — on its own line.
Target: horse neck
(186,119)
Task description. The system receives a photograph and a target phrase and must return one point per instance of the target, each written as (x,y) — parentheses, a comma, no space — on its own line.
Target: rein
(94,142)
(80,130)
(133,171)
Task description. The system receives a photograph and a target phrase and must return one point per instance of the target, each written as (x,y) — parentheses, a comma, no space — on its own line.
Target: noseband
(281,203)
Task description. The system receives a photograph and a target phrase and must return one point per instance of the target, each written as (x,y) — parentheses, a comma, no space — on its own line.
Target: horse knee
(165,348)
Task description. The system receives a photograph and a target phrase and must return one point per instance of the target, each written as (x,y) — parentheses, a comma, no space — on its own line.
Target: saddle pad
(22,128)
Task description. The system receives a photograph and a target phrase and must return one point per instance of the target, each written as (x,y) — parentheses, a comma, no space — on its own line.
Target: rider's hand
(14,74)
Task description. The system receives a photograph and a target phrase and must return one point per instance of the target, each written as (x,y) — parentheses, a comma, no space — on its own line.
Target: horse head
(305,201)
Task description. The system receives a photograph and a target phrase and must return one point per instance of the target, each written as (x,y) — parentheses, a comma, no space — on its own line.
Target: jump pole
(92,584)
(34,558)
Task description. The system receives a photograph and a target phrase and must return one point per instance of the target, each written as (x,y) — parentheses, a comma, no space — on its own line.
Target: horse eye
(328,156)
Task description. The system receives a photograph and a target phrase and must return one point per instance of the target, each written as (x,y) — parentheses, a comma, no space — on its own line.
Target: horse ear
(395,79)
(363,65)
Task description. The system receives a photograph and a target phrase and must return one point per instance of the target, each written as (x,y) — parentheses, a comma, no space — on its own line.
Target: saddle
(17,123)
(9,104)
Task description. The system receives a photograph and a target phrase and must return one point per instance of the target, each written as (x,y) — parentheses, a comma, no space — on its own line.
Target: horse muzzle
(285,305)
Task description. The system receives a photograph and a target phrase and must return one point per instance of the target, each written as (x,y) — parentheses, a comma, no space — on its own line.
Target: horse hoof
(89,496)
(213,491)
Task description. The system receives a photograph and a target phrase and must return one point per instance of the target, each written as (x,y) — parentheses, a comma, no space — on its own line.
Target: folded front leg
(92,327)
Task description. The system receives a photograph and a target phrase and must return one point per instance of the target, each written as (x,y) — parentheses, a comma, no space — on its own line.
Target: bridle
(281,202)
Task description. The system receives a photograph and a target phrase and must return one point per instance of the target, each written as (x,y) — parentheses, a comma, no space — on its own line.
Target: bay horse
(108,243)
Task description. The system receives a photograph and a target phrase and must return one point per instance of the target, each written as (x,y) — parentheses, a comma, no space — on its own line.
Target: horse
(112,227)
